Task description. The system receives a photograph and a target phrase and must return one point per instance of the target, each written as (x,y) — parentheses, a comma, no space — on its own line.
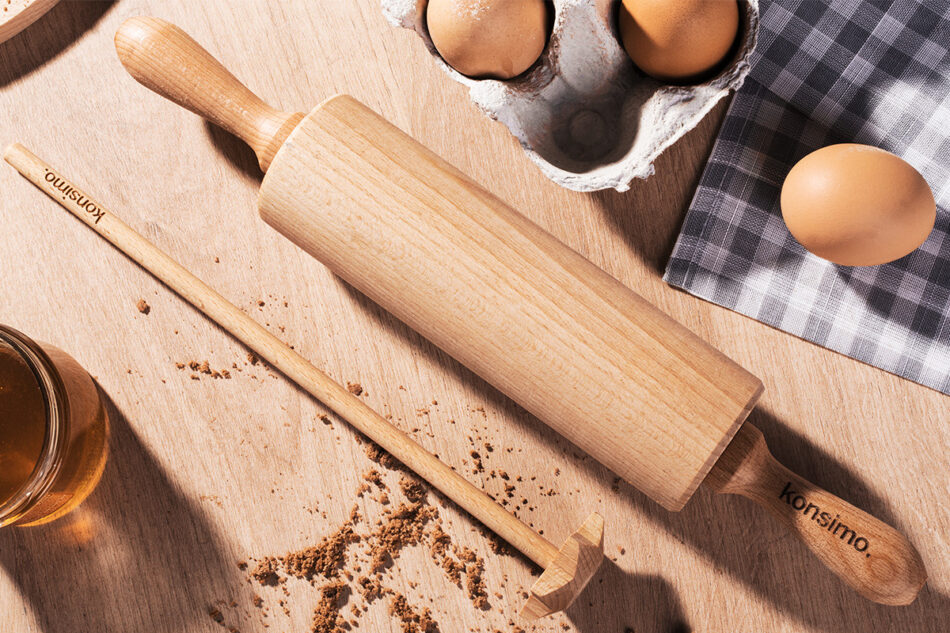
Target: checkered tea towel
(830,71)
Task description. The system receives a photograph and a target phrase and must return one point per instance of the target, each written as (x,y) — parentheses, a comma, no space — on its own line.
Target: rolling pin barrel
(615,375)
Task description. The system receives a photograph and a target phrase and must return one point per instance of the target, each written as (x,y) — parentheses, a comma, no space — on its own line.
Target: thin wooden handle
(871,556)
(165,59)
(281,357)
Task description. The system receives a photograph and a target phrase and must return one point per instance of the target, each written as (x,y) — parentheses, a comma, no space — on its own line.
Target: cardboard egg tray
(586,116)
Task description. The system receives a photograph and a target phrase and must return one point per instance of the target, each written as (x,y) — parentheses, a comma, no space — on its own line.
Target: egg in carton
(586,116)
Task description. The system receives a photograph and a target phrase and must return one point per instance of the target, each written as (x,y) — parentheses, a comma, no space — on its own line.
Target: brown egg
(678,40)
(857,205)
(499,39)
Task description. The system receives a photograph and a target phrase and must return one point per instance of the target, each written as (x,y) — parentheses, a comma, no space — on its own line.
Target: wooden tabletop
(206,473)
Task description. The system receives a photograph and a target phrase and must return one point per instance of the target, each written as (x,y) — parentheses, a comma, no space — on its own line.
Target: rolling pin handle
(871,556)
(165,59)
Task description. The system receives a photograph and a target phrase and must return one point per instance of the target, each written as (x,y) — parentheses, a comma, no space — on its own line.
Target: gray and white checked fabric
(827,72)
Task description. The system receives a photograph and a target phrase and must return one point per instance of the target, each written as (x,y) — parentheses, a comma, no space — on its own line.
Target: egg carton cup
(583,113)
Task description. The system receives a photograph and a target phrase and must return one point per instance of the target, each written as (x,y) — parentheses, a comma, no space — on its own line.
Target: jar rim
(53,391)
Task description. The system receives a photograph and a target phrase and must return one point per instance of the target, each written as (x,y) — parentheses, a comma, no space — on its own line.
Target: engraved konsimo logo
(70,193)
(824,519)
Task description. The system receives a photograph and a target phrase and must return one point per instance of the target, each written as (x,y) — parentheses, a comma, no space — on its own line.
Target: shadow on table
(647,603)
(135,556)
(651,232)
(238,153)
(734,535)
(47,37)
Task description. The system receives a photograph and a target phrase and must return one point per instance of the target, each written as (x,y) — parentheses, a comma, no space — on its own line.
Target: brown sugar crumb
(372,476)
(143,307)
(252,359)
(440,554)
(414,489)
(266,570)
(326,617)
(412,621)
(475,584)
(326,420)
(479,466)
(258,601)
(404,527)
(376,453)
(216,615)
(326,558)
(371,587)
(355,388)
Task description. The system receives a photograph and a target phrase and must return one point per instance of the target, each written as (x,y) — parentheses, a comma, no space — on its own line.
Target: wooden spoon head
(568,574)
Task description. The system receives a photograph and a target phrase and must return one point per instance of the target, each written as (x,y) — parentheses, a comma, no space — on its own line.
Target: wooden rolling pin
(625,382)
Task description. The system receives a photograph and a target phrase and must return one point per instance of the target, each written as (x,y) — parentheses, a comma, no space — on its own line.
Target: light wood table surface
(206,473)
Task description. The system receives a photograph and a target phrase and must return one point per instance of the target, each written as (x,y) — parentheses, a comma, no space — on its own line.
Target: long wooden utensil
(566,570)
(612,373)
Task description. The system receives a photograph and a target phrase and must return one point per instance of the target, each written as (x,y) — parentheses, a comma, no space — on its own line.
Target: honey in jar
(53,431)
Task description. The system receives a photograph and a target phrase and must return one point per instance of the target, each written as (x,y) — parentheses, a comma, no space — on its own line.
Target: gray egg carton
(586,116)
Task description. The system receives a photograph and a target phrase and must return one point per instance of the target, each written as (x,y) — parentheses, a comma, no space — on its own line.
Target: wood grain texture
(206,473)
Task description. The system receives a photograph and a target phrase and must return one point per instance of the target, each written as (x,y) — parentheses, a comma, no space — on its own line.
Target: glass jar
(53,431)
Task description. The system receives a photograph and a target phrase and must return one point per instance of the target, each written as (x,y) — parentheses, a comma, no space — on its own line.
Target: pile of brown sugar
(353,564)
(326,558)
(326,616)
(412,620)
